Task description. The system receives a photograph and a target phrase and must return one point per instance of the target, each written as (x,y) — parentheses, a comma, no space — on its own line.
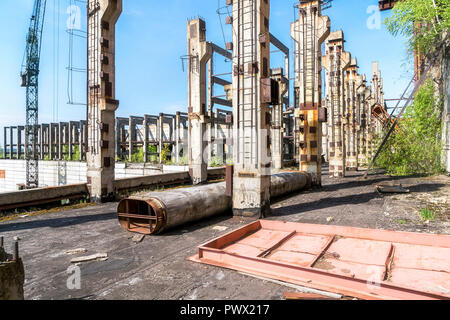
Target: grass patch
(401,221)
(427,214)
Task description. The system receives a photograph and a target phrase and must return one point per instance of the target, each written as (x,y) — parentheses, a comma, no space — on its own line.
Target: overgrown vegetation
(216,162)
(416,147)
(425,23)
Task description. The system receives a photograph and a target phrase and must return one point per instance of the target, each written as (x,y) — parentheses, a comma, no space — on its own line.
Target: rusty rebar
(16,251)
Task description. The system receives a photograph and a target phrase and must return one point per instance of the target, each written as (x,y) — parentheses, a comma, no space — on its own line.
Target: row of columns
(264,126)
(350,102)
(56,141)
(65,140)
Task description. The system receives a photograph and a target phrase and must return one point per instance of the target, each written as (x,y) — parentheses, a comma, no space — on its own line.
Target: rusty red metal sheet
(362,263)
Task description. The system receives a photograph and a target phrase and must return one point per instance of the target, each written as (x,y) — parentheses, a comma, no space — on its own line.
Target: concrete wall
(12,172)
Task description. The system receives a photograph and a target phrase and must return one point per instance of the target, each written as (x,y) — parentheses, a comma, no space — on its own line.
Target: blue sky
(151,37)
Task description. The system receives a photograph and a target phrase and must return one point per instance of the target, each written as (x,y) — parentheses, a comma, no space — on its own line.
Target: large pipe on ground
(155,212)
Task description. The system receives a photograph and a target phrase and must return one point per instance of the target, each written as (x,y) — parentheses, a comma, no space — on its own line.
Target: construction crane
(30,80)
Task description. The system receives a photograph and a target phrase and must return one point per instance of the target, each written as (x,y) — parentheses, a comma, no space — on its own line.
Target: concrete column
(60,141)
(4,143)
(335,62)
(362,120)
(352,143)
(11,142)
(83,140)
(102,18)
(118,139)
(160,132)
(177,137)
(377,92)
(70,138)
(277,119)
(145,142)
(19,141)
(131,138)
(309,32)
(41,142)
(325,132)
(252,95)
(199,52)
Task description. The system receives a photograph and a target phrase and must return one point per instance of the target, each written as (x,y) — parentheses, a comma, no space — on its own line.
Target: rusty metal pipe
(155,212)
(287,182)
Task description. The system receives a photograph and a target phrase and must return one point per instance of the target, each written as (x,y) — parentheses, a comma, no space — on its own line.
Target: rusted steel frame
(323,250)
(310,277)
(424,239)
(277,245)
(212,253)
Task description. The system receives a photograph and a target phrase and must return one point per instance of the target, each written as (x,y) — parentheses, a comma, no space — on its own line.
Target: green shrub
(417,146)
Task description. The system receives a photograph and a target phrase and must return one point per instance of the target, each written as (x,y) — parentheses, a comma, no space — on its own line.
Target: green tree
(425,23)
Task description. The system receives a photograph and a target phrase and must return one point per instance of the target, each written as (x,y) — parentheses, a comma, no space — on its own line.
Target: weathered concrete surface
(157,268)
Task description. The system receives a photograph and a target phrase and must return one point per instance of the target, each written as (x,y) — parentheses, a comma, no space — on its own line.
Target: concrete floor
(157,267)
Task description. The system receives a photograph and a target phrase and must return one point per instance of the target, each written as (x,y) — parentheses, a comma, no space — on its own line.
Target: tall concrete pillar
(335,62)
(325,132)
(253,92)
(277,119)
(102,18)
(370,123)
(309,32)
(199,53)
(350,127)
(362,119)
(377,91)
